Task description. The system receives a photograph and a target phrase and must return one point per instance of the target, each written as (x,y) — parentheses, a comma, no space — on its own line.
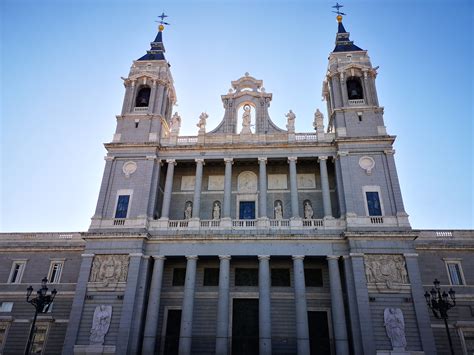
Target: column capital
(159,257)
(342,153)
(153,83)
(109,158)
(389,151)
(87,255)
(224,257)
(151,157)
(297,257)
(136,254)
(264,257)
(357,255)
(160,162)
(290,159)
(322,158)
(191,257)
(332,257)
(410,255)
(200,161)
(171,161)
(229,160)
(262,160)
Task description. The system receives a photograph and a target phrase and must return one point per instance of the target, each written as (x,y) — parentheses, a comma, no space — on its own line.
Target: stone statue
(278,210)
(188,210)
(109,269)
(216,211)
(100,324)
(386,271)
(308,210)
(246,120)
(318,121)
(202,122)
(395,327)
(175,123)
(291,121)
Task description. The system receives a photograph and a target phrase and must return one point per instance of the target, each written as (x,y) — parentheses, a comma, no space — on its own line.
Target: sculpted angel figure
(202,122)
(395,327)
(100,324)
(291,121)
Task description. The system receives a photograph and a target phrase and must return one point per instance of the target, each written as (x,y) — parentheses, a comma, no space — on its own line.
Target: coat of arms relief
(386,272)
(109,269)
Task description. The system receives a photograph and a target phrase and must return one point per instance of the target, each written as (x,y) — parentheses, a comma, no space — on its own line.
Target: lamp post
(440,303)
(41,302)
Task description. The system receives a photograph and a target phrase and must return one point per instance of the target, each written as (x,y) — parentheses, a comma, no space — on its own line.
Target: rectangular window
(281,277)
(39,339)
(373,203)
(246,277)
(122,206)
(3,334)
(16,273)
(179,275)
(55,271)
(313,277)
(6,307)
(211,277)
(455,273)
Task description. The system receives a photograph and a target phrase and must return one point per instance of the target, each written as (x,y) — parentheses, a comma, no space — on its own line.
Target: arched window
(354,88)
(143,97)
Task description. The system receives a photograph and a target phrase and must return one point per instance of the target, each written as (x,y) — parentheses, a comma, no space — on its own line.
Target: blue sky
(61,63)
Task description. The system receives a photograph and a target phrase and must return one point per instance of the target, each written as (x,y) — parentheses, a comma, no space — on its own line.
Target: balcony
(140,109)
(358,102)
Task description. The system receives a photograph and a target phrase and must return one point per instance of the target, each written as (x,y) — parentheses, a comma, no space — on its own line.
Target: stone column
(302,330)
(131,103)
(262,186)
(227,187)
(342,81)
(222,331)
(264,307)
(325,187)
(165,209)
(340,187)
(337,307)
(419,303)
(368,92)
(77,304)
(151,102)
(159,99)
(153,309)
(197,189)
(126,99)
(293,188)
(186,330)
(154,189)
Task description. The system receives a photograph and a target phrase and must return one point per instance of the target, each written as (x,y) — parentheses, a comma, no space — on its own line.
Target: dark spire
(157,50)
(343,43)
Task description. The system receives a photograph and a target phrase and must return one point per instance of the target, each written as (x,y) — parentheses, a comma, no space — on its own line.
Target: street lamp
(41,302)
(440,303)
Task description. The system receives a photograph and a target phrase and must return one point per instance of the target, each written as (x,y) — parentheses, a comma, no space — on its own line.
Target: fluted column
(262,186)
(325,186)
(165,209)
(293,188)
(302,330)
(227,186)
(153,309)
(186,330)
(222,332)
(337,307)
(197,188)
(264,307)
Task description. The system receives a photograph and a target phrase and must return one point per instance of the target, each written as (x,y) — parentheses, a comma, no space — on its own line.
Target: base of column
(399,352)
(163,222)
(94,349)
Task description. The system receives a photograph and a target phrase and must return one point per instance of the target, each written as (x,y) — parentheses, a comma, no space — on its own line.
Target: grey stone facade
(307,228)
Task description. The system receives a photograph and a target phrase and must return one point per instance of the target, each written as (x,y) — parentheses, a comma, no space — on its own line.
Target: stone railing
(313,223)
(210,223)
(306,137)
(140,109)
(280,223)
(356,102)
(187,140)
(244,223)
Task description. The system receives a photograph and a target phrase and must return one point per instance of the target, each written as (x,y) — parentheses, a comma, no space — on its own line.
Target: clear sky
(61,63)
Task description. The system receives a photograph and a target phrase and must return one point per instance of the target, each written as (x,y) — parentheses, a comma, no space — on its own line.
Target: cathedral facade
(247,238)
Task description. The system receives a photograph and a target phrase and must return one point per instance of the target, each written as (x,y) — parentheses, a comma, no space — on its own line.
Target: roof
(343,42)
(157,51)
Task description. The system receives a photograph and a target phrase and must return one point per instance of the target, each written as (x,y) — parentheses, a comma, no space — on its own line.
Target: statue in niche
(246,120)
(308,210)
(188,210)
(216,210)
(100,324)
(202,122)
(291,121)
(318,121)
(175,123)
(388,271)
(395,327)
(109,269)
(278,210)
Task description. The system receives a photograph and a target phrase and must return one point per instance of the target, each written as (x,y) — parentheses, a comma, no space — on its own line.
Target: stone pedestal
(94,349)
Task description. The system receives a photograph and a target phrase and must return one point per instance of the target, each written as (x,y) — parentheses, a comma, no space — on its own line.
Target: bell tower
(149,97)
(350,92)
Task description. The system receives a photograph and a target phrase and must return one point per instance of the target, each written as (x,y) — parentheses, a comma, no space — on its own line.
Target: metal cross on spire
(162,17)
(337,7)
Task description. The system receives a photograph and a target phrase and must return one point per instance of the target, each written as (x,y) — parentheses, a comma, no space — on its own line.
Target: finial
(161,27)
(339,13)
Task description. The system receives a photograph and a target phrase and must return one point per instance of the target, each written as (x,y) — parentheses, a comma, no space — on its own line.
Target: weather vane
(162,17)
(337,7)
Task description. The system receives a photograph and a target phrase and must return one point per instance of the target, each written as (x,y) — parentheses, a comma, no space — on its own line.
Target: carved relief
(100,324)
(216,183)
(306,181)
(187,183)
(129,168)
(109,269)
(277,182)
(386,271)
(247,182)
(367,163)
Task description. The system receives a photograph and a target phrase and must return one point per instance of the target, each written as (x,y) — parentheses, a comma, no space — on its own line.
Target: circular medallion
(129,168)
(367,164)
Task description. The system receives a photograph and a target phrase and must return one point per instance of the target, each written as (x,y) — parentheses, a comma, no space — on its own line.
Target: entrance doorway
(173,325)
(245,326)
(319,341)
(247,210)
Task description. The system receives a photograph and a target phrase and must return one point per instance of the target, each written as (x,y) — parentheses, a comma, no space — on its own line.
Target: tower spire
(157,50)
(343,43)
